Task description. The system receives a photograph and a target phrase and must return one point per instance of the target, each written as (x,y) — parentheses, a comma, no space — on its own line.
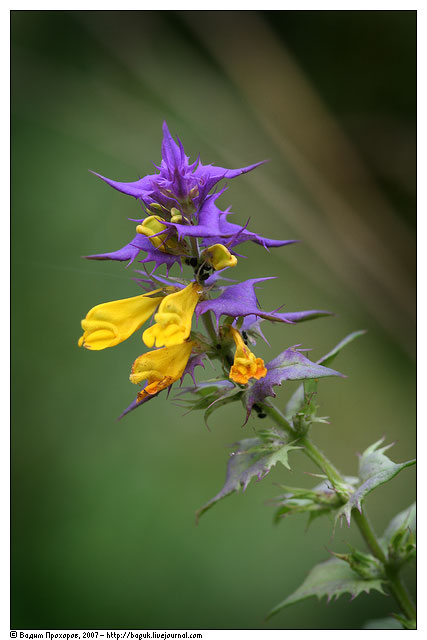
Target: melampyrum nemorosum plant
(182,225)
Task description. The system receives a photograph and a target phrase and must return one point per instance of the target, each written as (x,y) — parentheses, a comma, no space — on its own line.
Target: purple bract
(178,182)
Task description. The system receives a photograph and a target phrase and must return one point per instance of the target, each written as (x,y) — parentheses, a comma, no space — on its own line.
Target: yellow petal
(246,365)
(161,367)
(110,323)
(173,319)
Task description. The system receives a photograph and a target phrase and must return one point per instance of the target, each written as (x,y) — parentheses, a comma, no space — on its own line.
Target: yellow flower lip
(246,365)
(219,257)
(173,319)
(160,368)
(156,387)
(110,323)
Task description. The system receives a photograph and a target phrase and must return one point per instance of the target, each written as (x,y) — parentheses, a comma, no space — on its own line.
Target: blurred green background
(103,511)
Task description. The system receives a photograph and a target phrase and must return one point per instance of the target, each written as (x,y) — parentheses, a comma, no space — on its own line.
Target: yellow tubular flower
(161,368)
(246,364)
(153,225)
(219,257)
(173,319)
(110,323)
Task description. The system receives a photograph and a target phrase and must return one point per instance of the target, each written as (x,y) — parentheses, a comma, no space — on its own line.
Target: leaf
(331,579)
(296,402)
(329,357)
(375,469)
(383,623)
(253,457)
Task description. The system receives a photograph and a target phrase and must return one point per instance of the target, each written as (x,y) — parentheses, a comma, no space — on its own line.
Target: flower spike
(183,225)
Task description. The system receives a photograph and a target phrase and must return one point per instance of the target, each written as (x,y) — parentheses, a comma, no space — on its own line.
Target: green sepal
(253,457)
(375,469)
(331,579)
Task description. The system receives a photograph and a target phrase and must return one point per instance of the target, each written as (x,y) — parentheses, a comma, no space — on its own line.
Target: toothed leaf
(375,469)
(253,457)
(331,579)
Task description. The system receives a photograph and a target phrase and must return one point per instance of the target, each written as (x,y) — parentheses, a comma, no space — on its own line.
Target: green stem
(369,536)
(209,326)
(396,586)
(319,458)
(194,247)
(401,595)
(278,417)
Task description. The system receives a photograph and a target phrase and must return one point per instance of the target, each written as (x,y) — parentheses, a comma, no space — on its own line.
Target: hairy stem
(395,583)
